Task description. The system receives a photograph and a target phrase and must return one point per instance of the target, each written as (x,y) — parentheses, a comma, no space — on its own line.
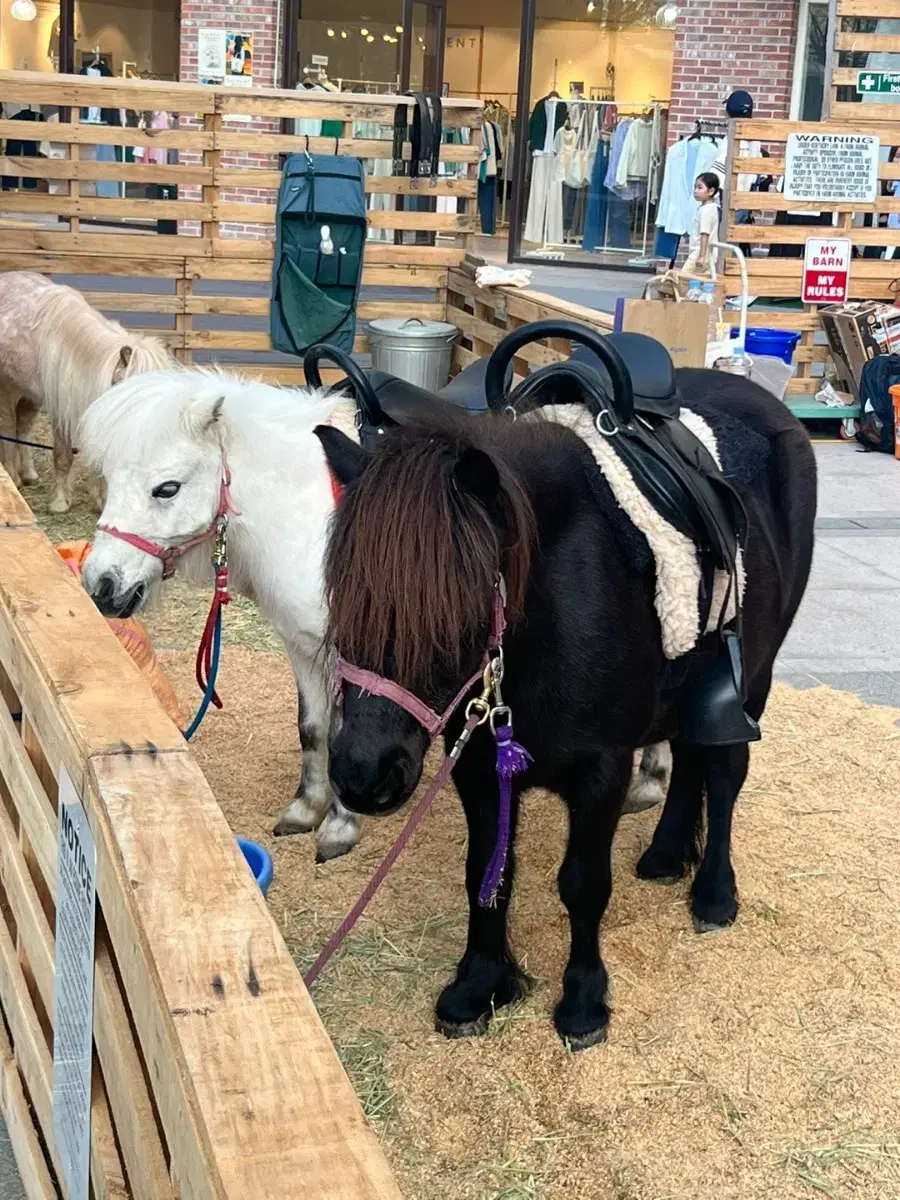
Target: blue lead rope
(211,682)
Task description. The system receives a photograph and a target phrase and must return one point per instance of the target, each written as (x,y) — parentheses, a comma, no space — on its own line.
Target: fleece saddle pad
(675,557)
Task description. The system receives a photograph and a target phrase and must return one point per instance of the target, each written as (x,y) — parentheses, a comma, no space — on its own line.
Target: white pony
(164,443)
(59,353)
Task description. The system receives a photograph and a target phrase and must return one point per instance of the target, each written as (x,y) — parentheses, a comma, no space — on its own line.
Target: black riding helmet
(739,104)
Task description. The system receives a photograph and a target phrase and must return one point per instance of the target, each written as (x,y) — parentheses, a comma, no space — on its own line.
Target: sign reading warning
(831,168)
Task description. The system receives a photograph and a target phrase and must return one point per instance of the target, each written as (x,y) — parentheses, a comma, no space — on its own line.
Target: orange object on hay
(132,635)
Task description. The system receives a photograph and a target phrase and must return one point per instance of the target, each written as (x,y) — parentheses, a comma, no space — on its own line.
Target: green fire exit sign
(886,83)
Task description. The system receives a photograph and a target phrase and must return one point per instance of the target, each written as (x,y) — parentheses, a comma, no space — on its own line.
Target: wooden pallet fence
(485,315)
(213,1075)
(853,35)
(870,279)
(205,288)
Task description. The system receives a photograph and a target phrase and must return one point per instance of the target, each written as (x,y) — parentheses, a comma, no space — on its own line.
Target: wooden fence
(213,1075)
(210,280)
(776,277)
(845,40)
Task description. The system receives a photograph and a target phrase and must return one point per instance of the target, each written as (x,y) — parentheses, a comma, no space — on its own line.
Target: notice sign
(831,168)
(826,271)
(878,83)
(74,1007)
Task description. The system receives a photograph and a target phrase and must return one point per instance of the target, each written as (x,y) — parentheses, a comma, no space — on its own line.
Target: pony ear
(476,472)
(121,367)
(345,458)
(201,415)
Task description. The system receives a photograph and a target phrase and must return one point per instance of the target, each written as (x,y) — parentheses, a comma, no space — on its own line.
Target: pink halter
(376,685)
(169,555)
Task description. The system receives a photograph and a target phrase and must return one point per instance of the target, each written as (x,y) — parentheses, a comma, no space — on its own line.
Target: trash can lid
(413,327)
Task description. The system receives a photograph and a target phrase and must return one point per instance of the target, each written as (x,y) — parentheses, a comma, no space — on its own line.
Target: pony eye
(167,490)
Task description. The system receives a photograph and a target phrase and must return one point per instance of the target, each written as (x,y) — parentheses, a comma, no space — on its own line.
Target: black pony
(430,519)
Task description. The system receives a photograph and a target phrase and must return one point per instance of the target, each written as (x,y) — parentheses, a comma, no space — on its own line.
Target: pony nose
(104,595)
(370,783)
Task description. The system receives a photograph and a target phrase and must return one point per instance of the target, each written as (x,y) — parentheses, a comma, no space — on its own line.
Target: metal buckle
(598,423)
(220,550)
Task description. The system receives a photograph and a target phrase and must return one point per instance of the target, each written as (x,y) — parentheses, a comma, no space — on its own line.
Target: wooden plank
(775,166)
(37,1182)
(797,322)
(872,43)
(328,108)
(761,130)
(138,302)
(66,168)
(867,8)
(113,209)
(76,92)
(367,310)
(121,246)
(116,135)
(279,143)
(14,512)
(264,214)
(388,185)
(794,235)
(776,202)
(235,1063)
(883,113)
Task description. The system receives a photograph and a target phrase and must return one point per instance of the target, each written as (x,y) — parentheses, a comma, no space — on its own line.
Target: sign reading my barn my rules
(826,271)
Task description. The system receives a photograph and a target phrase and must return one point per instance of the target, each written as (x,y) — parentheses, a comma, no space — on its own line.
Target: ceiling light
(343,33)
(330,32)
(666,16)
(364,33)
(591,6)
(23,10)
(398,29)
(370,38)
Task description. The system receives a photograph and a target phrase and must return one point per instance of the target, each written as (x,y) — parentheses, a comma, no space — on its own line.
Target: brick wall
(723,45)
(261,18)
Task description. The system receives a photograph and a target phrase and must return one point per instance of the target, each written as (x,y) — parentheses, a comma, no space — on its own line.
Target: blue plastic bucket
(259,861)
(776,343)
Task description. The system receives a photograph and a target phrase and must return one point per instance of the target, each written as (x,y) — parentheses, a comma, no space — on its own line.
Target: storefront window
(336,44)
(808,96)
(598,107)
(125,39)
(29,36)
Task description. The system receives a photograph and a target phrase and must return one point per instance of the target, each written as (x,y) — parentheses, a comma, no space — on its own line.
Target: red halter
(169,555)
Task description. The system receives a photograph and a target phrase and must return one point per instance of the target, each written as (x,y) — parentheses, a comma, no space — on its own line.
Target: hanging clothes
(595,216)
(544,218)
(634,160)
(684,162)
(491,157)
(548,115)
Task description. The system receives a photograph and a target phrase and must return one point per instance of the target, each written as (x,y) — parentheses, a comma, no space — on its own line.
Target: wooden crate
(844,39)
(213,1074)
(226,140)
(486,315)
(870,279)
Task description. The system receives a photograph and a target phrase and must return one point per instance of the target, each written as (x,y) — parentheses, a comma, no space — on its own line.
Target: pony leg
(96,491)
(594,798)
(9,451)
(314,806)
(26,413)
(714,902)
(648,787)
(488,976)
(674,846)
(63,469)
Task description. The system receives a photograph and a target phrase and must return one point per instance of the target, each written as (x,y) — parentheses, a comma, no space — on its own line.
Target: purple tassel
(511,759)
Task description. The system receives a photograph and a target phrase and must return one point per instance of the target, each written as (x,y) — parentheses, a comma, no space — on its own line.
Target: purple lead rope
(512,758)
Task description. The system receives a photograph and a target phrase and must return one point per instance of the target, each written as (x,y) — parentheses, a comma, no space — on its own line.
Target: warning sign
(826,271)
(831,168)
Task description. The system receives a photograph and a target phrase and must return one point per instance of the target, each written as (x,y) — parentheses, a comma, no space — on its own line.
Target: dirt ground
(752,1064)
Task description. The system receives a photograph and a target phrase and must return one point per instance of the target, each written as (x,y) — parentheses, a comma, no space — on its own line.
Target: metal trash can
(412,349)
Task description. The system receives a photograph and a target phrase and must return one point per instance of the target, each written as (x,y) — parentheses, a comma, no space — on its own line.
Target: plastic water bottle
(695,295)
(708,296)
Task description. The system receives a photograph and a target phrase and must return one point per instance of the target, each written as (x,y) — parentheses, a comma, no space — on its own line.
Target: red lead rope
(221,597)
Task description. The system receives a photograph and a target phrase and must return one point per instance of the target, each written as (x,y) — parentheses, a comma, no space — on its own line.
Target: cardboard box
(681,327)
(856,334)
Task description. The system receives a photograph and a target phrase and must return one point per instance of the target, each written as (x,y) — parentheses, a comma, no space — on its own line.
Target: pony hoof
(58,506)
(464,1029)
(643,795)
(584,1041)
(655,866)
(329,851)
(287,828)
(29,480)
(711,926)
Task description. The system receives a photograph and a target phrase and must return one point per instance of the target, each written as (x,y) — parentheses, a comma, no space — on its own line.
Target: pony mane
(143,411)
(79,352)
(414,556)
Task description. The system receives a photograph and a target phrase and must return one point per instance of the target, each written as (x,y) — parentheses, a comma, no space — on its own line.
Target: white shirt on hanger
(684,162)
